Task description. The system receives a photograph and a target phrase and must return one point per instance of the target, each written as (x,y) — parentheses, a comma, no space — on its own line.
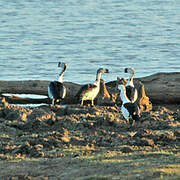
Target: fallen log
(37,87)
(161,88)
(103,98)
(22,100)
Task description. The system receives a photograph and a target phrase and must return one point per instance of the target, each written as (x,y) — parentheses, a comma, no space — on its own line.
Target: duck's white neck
(60,77)
(123,95)
(131,80)
(98,78)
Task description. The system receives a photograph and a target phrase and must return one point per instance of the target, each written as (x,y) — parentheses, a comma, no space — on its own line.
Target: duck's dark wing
(84,89)
(133,110)
(130,92)
(57,89)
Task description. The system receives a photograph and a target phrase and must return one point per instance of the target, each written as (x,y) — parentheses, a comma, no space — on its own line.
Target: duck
(131,91)
(130,111)
(91,90)
(57,89)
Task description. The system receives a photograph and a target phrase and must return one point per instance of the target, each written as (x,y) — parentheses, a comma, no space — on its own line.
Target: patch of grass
(102,163)
(172,170)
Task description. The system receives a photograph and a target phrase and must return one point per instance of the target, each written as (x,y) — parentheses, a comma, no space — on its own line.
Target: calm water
(88,34)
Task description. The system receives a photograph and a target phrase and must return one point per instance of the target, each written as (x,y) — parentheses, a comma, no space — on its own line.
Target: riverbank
(89,141)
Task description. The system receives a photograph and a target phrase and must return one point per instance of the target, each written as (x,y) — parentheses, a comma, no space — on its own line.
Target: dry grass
(100,164)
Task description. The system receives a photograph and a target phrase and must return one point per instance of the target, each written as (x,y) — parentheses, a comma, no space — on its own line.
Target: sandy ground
(86,142)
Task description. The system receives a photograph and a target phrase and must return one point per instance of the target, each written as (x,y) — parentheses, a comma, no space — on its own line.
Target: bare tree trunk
(38,87)
(161,88)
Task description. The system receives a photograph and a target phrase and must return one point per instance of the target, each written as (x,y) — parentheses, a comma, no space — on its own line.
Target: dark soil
(45,132)
(33,132)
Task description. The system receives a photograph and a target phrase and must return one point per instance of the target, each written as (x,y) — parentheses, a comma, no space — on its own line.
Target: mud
(43,131)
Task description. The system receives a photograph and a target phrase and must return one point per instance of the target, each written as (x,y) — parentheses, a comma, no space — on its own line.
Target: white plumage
(56,89)
(131,91)
(90,91)
(129,110)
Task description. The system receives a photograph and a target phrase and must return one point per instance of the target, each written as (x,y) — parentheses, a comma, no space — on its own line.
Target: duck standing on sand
(90,91)
(56,89)
(129,110)
(131,91)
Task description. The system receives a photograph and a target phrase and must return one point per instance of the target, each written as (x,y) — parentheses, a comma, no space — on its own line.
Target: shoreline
(20,120)
(40,135)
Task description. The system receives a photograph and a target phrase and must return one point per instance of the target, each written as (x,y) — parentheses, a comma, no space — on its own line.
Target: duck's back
(86,91)
(131,93)
(57,89)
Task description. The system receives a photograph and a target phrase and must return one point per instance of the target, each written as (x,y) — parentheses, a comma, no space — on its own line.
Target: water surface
(36,34)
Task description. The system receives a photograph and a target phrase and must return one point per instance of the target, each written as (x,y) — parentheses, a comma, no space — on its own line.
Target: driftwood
(20,100)
(37,87)
(160,88)
(143,100)
(103,98)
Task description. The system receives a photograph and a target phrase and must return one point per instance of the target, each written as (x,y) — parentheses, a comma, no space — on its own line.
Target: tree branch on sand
(160,88)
